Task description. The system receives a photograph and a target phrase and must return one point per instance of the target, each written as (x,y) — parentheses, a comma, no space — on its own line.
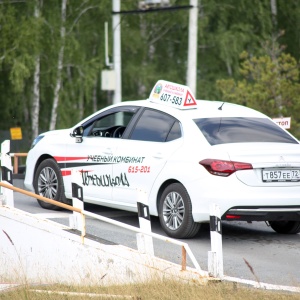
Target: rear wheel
(48,182)
(287,227)
(175,212)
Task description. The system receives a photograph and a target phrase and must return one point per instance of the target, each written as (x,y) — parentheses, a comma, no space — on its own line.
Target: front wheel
(175,212)
(48,182)
(285,227)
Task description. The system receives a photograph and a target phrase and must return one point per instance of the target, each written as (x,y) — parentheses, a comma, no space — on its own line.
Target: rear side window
(175,132)
(242,130)
(156,126)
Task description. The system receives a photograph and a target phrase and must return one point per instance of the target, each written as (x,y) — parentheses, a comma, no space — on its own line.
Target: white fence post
(215,256)
(76,220)
(144,242)
(6,173)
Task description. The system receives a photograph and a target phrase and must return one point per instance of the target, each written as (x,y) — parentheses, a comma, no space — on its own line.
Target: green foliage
(289,21)
(270,84)
(154,46)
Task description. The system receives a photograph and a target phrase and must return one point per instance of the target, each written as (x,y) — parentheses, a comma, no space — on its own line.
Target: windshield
(242,130)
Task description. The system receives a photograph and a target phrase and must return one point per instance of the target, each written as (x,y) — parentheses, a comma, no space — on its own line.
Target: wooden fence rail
(16,161)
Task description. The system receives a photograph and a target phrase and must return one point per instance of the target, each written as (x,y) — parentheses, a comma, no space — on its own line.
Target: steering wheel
(118,132)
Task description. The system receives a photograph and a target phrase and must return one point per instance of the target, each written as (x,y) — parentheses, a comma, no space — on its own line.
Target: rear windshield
(242,130)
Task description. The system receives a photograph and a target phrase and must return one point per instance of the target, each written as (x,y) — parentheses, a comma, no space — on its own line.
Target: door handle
(158,155)
(107,151)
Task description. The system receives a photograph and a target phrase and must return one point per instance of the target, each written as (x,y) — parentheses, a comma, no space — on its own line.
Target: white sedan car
(185,154)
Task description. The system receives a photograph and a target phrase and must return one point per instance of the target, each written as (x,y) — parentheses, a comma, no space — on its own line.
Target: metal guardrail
(184,246)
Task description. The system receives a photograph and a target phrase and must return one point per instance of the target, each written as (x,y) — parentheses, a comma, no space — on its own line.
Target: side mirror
(77,133)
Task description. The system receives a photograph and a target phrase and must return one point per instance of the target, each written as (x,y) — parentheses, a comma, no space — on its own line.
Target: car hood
(61,132)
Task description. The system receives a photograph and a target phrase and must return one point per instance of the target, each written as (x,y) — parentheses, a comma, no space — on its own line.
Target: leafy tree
(154,46)
(226,28)
(19,45)
(270,84)
(71,70)
(288,20)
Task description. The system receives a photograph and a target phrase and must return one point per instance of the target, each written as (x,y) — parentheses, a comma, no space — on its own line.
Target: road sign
(16,133)
(283,122)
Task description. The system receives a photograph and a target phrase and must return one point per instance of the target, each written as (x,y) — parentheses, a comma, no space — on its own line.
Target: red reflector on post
(232,217)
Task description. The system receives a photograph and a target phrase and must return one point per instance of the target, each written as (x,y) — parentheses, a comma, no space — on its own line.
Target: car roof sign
(173,94)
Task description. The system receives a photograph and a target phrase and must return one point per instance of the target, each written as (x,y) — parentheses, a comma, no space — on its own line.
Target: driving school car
(185,154)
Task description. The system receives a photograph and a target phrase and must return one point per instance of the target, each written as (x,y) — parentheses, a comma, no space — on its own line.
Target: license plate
(280,175)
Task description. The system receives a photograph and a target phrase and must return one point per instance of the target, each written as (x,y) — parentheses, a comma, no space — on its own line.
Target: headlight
(36,140)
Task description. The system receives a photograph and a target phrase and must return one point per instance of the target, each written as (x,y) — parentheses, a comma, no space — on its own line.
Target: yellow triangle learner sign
(173,95)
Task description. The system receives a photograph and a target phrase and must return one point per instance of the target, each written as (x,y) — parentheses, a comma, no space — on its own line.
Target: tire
(285,227)
(175,212)
(48,182)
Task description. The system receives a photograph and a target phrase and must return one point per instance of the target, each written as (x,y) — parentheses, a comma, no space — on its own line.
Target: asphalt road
(274,258)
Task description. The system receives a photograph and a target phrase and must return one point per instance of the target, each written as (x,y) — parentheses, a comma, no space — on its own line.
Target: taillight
(223,167)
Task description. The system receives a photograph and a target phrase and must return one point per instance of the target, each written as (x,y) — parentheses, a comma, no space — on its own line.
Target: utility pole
(192,48)
(116,27)
(191,77)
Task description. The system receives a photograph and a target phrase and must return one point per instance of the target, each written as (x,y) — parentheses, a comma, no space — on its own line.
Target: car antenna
(220,108)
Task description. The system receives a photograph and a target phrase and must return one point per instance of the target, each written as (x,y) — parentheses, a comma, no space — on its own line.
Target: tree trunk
(274,13)
(95,108)
(59,66)
(275,57)
(35,108)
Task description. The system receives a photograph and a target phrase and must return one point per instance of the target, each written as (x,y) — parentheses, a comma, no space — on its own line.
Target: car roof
(204,109)
(179,101)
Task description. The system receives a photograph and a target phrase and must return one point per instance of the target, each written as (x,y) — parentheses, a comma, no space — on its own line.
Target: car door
(94,154)
(143,154)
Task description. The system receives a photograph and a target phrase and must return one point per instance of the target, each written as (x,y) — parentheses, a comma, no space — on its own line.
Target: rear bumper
(262,214)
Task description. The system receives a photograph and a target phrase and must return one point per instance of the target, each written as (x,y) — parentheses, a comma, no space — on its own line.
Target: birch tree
(52,54)
(18,47)
(59,66)
(79,61)
(273,4)
(35,109)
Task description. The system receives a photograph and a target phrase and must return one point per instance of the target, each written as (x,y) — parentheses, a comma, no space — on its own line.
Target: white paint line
(82,294)
(7,286)
(58,215)
(262,285)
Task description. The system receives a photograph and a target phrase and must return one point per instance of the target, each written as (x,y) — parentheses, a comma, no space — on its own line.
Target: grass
(154,289)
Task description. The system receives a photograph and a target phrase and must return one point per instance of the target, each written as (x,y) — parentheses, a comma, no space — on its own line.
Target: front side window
(120,118)
(242,130)
(110,125)
(156,126)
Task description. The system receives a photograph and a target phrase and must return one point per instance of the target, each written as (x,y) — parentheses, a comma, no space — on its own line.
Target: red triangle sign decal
(189,99)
